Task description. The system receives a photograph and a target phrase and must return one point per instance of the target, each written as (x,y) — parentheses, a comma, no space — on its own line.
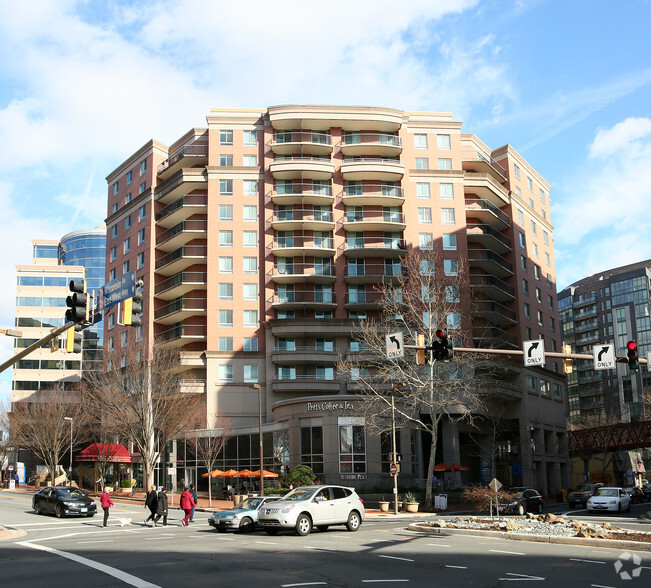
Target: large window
(352,445)
(312,448)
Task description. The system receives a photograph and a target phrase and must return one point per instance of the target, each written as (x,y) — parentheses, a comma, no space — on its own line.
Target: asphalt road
(79,552)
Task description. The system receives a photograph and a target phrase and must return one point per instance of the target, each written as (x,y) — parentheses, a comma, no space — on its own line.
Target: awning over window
(110,452)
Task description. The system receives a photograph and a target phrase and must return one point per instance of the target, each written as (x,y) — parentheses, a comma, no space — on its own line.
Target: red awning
(110,452)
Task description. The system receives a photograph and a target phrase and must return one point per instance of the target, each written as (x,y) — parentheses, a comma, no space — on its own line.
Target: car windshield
(607,492)
(300,494)
(249,504)
(584,488)
(70,493)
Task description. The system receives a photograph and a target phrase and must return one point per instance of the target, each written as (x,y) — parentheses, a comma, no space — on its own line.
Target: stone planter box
(384,506)
(410,506)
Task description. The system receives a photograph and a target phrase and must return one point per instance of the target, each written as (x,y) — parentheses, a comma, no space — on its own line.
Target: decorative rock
(559,521)
(512,526)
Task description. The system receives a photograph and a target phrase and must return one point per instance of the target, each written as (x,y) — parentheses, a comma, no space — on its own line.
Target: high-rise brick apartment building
(260,238)
(608,307)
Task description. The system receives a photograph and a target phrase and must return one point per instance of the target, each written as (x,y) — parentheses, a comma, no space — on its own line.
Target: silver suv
(313,506)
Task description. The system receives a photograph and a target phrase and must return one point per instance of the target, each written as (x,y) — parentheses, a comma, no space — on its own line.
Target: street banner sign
(393,469)
(395,346)
(534,352)
(604,357)
(116,291)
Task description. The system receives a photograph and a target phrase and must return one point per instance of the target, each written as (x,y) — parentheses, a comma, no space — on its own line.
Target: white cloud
(602,211)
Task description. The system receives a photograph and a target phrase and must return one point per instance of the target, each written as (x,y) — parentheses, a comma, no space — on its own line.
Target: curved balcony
(182,209)
(184,181)
(305,384)
(306,220)
(374,247)
(180,335)
(180,309)
(374,220)
(186,156)
(302,193)
(188,386)
(180,259)
(494,337)
(491,262)
(292,299)
(348,118)
(488,237)
(302,167)
(305,142)
(180,284)
(363,300)
(370,194)
(486,188)
(487,213)
(181,234)
(369,168)
(495,313)
(305,272)
(480,162)
(369,143)
(373,272)
(303,354)
(309,246)
(492,287)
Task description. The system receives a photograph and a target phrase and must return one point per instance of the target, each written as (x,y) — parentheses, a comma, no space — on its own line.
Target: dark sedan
(62,501)
(524,500)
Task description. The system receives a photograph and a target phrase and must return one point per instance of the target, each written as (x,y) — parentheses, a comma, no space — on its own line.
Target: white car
(313,506)
(609,499)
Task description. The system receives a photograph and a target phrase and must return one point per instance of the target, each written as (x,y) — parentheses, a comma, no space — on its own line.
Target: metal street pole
(395,456)
(71,421)
(259,389)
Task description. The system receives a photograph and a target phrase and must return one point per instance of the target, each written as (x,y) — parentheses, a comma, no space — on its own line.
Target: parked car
(242,518)
(579,496)
(636,494)
(609,498)
(62,501)
(647,491)
(524,500)
(313,506)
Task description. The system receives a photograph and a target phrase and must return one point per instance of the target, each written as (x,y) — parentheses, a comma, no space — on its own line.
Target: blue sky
(568,84)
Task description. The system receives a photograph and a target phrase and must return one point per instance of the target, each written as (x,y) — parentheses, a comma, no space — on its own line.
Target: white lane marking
(98,541)
(119,574)
(507,552)
(225,538)
(519,577)
(267,542)
(394,557)
(457,567)
(155,538)
(587,560)
(600,586)
(304,584)
(387,580)
(35,524)
(340,536)
(439,545)
(381,540)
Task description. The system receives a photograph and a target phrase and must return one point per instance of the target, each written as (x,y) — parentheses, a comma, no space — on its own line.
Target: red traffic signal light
(444,349)
(631,353)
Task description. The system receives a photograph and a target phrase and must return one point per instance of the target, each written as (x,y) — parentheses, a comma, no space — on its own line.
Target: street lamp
(71,421)
(259,389)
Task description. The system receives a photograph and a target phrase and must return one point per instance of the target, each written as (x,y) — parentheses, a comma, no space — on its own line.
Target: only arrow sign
(396,341)
(604,357)
(395,345)
(601,353)
(534,352)
(532,347)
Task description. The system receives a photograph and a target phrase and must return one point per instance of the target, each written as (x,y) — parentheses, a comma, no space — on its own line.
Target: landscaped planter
(384,506)
(410,506)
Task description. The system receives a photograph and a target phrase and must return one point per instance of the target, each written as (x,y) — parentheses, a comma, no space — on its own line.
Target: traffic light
(568,368)
(443,348)
(74,339)
(631,353)
(421,354)
(78,303)
(131,310)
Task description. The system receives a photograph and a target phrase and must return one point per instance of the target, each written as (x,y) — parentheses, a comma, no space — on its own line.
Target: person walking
(193,492)
(106,502)
(133,486)
(161,507)
(151,502)
(187,502)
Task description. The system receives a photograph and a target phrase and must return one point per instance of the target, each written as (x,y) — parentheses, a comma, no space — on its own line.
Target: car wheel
(303,525)
(619,507)
(521,509)
(354,521)
(58,511)
(540,508)
(247,525)
(322,527)
(37,509)
(271,531)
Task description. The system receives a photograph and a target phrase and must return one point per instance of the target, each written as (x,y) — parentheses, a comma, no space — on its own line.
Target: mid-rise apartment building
(260,239)
(608,307)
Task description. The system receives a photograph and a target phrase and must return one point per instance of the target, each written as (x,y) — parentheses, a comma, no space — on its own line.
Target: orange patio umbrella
(229,474)
(458,468)
(265,474)
(441,467)
(212,474)
(247,474)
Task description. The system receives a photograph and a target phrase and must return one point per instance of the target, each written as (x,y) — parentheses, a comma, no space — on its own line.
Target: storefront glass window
(352,445)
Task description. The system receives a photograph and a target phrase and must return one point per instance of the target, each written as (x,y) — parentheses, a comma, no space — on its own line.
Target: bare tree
(207,445)
(39,426)
(5,441)
(420,300)
(145,401)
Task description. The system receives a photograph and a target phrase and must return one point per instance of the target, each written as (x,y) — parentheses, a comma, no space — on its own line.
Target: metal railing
(319,138)
(487,255)
(198,251)
(375,270)
(370,137)
(180,304)
(179,331)
(191,225)
(186,199)
(372,191)
(374,243)
(181,278)
(315,242)
(301,188)
(482,229)
(374,216)
(475,155)
(298,268)
(197,149)
(303,297)
(478,204)
(491,281)
(302,215)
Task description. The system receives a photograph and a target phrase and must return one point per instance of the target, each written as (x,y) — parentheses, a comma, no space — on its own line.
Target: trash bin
(5,484)
(561,496)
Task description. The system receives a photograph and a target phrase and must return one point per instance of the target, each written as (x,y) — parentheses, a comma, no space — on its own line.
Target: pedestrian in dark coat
(106,502)
(194,497)
(161,507)
(151,502)
(187,502)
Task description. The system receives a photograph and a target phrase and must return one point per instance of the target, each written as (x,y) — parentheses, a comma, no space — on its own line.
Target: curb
(608,543)
(9,533)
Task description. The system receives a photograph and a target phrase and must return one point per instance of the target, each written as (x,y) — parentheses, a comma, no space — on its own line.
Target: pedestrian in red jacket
(106,502)
(187,503)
